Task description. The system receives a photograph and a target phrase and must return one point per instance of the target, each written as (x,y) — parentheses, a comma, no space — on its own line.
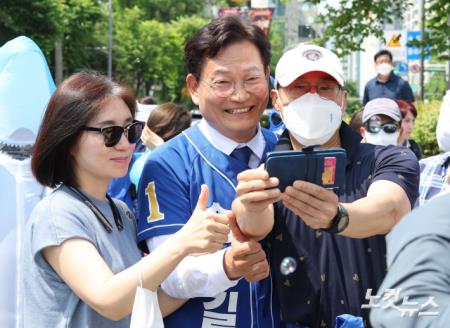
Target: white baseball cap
(307,58)
(382,106)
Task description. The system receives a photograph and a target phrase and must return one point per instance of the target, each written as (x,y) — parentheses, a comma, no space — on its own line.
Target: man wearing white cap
(331,239)
(381,122)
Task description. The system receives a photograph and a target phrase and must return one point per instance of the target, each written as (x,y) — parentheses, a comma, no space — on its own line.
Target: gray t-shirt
(48,300)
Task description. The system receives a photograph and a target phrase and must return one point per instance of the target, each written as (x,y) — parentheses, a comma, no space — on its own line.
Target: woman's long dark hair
(75,102)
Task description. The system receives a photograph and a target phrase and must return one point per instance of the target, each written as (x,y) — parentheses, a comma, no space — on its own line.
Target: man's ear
(275,100)
(192,86)
(362,132)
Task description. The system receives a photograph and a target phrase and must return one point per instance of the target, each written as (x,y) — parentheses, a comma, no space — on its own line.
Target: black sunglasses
(112,134)
(376,126)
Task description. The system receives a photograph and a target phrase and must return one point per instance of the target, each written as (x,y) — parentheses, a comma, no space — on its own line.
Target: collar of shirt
(440,160)
(227,145)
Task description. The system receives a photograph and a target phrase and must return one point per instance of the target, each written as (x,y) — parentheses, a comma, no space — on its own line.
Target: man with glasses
(326,248)
(381,122)
(228,73)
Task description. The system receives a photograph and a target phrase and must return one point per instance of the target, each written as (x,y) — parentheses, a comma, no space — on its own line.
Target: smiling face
(96,164)
(237,115)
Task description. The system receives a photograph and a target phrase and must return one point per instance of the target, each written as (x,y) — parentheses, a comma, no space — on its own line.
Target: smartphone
(324,167)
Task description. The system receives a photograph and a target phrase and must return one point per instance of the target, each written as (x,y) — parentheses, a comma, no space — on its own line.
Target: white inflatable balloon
(25,89)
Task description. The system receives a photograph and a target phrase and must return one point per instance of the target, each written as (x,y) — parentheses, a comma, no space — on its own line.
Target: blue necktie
(242,154)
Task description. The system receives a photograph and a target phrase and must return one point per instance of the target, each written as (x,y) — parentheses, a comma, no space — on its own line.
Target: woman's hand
(205,232)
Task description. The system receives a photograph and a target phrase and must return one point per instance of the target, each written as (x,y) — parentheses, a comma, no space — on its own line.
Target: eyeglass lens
(226,88)
(375,127)
(112,134)
(327,90)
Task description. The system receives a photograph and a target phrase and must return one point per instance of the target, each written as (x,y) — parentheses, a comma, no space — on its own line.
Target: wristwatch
(339,222)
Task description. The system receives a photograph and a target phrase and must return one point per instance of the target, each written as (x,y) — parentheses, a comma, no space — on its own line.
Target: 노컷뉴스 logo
(391,300)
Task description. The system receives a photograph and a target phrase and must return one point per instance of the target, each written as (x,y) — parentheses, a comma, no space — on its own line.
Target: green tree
(74,22)
(137,45)
(436,87)
(40,20)
(148,54)
(348,24)
(84,35)
(276,37)
(165,10)
(183,29)
(425,130)
(353,102)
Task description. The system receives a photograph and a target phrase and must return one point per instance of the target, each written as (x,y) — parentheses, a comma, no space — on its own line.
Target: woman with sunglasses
(80,258)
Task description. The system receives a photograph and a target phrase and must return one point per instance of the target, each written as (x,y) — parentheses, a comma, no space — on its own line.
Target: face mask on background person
(382,138)
(312,120)
(384,69)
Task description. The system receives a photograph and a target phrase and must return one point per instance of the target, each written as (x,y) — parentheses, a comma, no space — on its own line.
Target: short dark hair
(382,52)
(169,119)
(147,100)
(76,101)
(219,33)
(356,120)
(405,107)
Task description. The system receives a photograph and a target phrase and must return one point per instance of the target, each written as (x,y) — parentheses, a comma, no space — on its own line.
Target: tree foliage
(425,130)
(349,23)
(74,22)
(148,54)
(164,10)
(41,20)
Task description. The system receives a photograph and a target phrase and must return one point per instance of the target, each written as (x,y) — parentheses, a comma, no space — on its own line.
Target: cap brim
(295,73)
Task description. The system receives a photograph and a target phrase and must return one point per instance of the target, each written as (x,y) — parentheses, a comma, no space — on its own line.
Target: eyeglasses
(112,134)
(376,126)
(326,89)
(225,88)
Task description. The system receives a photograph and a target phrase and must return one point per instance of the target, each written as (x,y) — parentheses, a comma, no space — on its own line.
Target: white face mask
(312,120)
(382,138)
(384,69)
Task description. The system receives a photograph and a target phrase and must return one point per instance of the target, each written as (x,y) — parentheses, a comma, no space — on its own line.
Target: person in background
(386,84)
(381,122)
(416,289)
(80,255)
(409,115)
(145,106)
(435,173)
(335,238)
(356,121)
(227,62)
(165,122)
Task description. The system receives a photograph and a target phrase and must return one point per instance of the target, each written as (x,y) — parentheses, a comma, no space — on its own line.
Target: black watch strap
(339,222)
